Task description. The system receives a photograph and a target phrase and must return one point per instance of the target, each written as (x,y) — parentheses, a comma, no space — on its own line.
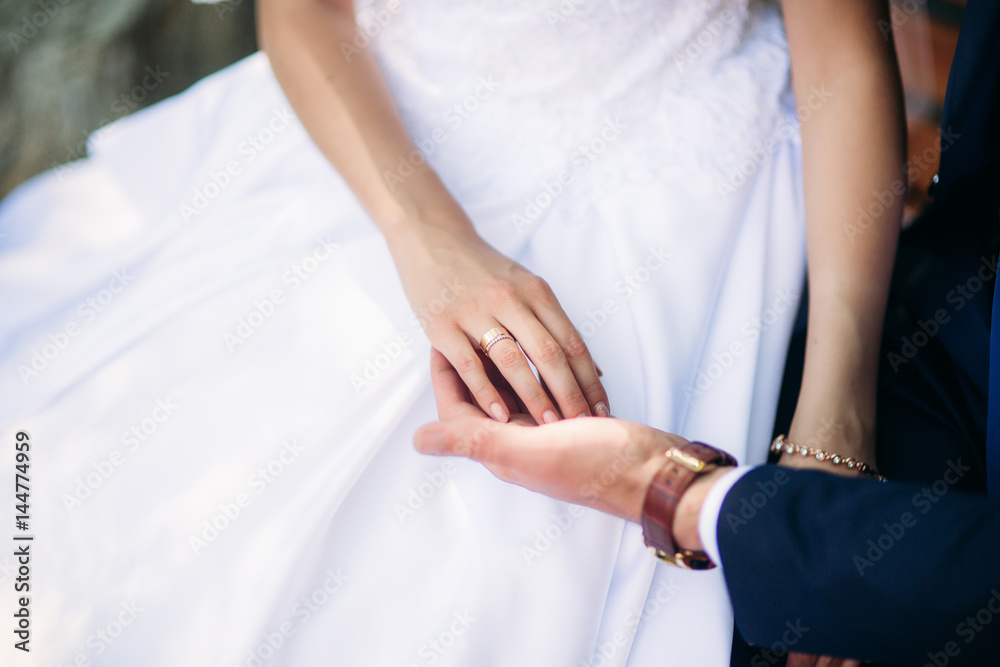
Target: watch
(683,465)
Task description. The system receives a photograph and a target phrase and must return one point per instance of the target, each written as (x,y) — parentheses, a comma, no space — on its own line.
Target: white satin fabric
(206,339)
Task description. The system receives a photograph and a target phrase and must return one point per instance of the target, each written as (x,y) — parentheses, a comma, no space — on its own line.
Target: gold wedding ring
(492,337)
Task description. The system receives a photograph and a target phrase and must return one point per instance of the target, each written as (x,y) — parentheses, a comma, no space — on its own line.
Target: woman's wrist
(835,411)
(835,430)
(420,201)
(430,243)
(842,426)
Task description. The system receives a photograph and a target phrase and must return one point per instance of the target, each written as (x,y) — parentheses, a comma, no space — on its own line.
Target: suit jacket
(972,112)
(896,573)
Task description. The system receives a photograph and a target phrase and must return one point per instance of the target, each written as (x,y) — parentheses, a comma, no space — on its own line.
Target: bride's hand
(459,287)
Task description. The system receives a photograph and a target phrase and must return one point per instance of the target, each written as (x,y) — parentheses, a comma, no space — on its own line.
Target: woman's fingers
(513,365)
(588,375)
(553,366)
(568,382)
(466,362)
(514,406)
(563,360)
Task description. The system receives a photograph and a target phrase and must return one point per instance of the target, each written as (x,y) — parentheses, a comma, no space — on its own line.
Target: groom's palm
(602,463)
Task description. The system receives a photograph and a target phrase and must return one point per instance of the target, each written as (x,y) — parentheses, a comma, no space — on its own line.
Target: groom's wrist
(689,509)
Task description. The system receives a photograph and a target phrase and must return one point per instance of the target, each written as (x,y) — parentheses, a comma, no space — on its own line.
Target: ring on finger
(492,337)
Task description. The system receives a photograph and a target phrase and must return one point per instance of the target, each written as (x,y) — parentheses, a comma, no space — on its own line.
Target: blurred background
(69,67)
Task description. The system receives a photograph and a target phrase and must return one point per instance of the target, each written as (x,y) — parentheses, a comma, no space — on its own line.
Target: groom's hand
(607,464)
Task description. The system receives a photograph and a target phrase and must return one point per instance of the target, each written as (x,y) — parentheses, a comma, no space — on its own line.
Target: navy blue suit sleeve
(896,573)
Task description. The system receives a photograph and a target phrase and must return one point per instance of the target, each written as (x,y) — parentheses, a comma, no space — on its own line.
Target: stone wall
(69,66)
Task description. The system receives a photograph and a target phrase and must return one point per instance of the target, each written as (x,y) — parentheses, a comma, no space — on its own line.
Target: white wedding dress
(208,344)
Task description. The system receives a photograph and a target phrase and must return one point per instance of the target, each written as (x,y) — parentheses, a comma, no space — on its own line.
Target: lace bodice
(694,84)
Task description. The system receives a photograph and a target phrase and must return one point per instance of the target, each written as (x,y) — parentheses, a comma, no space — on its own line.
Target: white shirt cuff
(708,520)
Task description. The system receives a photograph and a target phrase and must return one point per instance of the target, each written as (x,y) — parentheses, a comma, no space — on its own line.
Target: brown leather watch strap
(682,465)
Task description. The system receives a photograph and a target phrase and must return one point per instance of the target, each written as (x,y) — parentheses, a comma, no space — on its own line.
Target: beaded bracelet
(782,444)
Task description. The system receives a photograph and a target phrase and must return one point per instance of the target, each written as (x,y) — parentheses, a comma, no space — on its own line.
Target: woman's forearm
(853,145)
(458,286)
(345,107)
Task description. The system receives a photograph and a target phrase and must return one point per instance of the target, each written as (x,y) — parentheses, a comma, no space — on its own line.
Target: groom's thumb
(458,437)
(431,439)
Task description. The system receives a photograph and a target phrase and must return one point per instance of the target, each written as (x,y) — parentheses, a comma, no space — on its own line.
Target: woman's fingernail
(598,369)
(602,409)
(499,412)
(549,417)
